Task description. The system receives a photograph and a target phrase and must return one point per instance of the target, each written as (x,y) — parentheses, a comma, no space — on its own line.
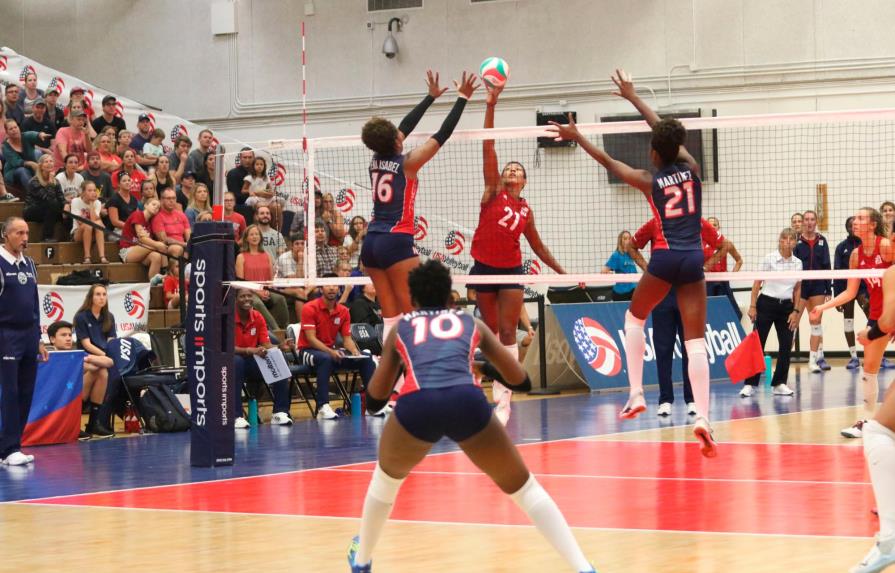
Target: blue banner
(55,416)
(596,335)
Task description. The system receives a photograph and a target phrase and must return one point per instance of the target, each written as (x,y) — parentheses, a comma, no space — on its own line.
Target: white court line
(849,444)
(452,451)
(448,523)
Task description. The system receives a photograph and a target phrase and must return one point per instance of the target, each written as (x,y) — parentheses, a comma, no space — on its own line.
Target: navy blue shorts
(815,288)
(483,269)
(677,267)
(382,250)
(458,412)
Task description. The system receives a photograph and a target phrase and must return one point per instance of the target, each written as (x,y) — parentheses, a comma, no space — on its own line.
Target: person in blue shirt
(94,327)
(620,262)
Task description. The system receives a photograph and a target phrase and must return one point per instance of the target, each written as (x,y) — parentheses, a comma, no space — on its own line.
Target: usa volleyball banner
(596,336)
(55,416)
(128,303)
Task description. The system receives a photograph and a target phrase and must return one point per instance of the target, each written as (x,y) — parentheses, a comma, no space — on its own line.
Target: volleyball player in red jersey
(503,217)
(876,251)
(674,194)
(387,253)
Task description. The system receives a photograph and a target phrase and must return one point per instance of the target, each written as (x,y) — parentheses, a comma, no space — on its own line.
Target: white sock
(635,344)
(853,351)
(879,449)
(543,512)
(698,370)
(378,504)
(871,394)
(387,325)
(812,357)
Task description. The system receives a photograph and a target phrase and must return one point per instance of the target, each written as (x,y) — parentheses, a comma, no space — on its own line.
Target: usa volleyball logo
(420,228)
(56,83)
(304,184)
(53,306)
(345,200)
(277,174)
(597,346)
(178,130)
(3,60)
(29,69)
(455,242)
(214,143)
(134,305)
(531,267)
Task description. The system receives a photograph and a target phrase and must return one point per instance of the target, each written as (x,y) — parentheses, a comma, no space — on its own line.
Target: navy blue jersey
(676,202)
(19,307)
(393,195)
(437,348)
(815,255)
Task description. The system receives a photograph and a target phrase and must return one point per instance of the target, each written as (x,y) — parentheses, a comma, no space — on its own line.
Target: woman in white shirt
(69,178)
(88,206)
(772,305)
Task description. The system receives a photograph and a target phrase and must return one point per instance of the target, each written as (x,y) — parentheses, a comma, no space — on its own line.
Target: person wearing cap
(11,104)
(77,93)
(54,111)
(40,122)
(185,188)
(141,138)
(73,139)
(108,116)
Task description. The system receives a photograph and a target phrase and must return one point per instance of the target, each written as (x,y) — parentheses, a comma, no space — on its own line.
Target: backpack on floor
(82,277)
(161,410)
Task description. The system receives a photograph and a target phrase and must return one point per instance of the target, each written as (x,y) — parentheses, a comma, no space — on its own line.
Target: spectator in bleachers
(148,190)
(326,254)
(178,156)
(153,148)
(251,339)
(135,174)
(272,241)
(19,159)
(357,231)
(108,117)
(254,264)
(206,174)
(54,111)
(110,162)
(335,223)
(137,244)
(96,372)
(162,177)
(40,122)
(30,94)
(199,203)
(236,177)
(99,177)
(171,285)
(11,103)
(141,138)
(2,122)
(297,228)
(887,210)
(69,178)
(44,200)
(94,327)
(196,158)
(123,142)
(88,206)
(365,308)
(123,203)
(258,188)
(291,265)
(322,319)
(73,140)
(76,106)
(239,222)
(343,270)
(186,187)
(170,225)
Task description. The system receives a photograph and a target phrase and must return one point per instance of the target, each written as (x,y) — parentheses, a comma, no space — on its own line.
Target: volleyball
(494,72)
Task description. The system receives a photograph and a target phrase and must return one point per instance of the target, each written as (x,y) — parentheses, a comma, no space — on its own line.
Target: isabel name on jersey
(675,178)
(384,165)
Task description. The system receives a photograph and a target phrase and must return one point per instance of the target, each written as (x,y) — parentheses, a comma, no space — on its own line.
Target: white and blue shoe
(352,555)
(853,364)
(880,556)
(822,364)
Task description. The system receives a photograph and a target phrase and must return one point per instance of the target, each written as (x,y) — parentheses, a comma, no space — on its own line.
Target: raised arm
(538,246)
(489,156)
(410,121)
(419,156)
(638,178)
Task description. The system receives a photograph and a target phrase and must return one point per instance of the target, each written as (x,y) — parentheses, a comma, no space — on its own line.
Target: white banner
(128,303)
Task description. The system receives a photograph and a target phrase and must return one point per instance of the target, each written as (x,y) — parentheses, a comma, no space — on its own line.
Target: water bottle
(768,372)
(253,412)
(355,404)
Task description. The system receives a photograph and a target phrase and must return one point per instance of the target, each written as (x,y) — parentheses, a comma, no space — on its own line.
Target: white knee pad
(817,330)
(632,321)
(695,346)
(849,324)
(383,486)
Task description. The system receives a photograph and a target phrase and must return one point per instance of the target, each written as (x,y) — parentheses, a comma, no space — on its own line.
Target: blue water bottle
(253,412)
(355,404)
(768,371)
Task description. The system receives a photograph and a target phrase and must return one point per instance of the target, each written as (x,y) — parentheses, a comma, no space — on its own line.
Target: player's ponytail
(668,136)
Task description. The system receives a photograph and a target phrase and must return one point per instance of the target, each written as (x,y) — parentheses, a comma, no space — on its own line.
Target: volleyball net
(757,171)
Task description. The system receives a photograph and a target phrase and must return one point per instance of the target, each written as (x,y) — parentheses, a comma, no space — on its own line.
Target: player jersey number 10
(442,326)
(382,184)
(675,194)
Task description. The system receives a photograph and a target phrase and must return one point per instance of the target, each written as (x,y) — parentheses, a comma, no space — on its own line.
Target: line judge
(20,341)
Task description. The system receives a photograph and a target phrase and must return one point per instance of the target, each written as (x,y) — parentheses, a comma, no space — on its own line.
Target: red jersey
(650,231)
(325,323)
(709,248)
(875,284)
(252,333)
(496,240)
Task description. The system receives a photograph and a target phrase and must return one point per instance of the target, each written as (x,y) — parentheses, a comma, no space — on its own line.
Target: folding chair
(364,336)
(302,372)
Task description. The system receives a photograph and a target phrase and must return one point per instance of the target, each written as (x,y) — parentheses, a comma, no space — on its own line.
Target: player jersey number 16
(382,185)
(675,195)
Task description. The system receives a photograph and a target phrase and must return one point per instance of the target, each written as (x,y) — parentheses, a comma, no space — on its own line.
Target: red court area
(750,488)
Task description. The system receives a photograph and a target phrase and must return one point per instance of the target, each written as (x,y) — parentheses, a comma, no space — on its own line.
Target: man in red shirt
(251,339)
(321,320)
(239,222)
(170,225)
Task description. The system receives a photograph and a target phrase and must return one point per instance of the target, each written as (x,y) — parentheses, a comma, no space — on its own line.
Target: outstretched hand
(432,83)
(560,132)
(624,83)
(467,84)
(493,93)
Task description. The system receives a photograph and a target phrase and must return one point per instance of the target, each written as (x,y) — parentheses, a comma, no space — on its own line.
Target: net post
(543,390)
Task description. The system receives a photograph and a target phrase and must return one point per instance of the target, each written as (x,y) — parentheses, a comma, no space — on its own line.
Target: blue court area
(163,459)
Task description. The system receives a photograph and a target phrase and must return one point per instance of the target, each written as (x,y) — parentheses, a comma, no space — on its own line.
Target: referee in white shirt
(774,306)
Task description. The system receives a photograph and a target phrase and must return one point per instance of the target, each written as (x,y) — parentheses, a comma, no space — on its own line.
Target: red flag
(746,360)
